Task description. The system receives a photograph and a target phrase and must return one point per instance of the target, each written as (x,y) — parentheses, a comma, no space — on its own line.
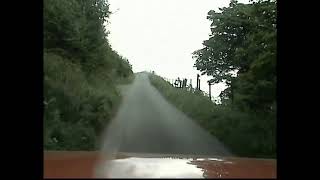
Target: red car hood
(79,164)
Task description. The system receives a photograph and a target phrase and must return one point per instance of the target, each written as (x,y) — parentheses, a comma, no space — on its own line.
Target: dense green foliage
(80,74)
(241,51)
(243,40)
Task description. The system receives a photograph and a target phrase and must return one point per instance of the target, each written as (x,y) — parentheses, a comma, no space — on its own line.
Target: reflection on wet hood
(151,168)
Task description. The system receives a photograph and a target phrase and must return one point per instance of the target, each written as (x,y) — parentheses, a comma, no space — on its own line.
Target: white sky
(160,35)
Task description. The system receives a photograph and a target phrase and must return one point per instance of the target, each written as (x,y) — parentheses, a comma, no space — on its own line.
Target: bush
(76,111)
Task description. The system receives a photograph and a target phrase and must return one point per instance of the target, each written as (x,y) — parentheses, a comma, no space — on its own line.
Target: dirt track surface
(148,123)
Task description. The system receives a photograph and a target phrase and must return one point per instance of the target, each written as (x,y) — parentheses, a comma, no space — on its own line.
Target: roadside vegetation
(81,72)
(242,41)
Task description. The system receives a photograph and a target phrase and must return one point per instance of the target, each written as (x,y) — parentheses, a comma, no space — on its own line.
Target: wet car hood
(135,165)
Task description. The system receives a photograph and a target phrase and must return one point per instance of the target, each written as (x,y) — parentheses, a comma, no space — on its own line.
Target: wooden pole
(198,82)
(209,90)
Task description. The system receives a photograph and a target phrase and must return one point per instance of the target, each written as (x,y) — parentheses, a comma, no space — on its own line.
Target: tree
(242,40)
(77,27)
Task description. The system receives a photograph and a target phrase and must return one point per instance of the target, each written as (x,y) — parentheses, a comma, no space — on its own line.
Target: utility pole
(198,82)
(209,90)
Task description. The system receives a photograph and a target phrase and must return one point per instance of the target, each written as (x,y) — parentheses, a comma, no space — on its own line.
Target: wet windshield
(183,77)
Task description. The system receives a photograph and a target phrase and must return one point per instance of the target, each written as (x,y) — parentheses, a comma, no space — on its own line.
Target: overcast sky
(160,35)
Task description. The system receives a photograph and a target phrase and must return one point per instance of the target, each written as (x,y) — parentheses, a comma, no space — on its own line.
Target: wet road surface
(148,123)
